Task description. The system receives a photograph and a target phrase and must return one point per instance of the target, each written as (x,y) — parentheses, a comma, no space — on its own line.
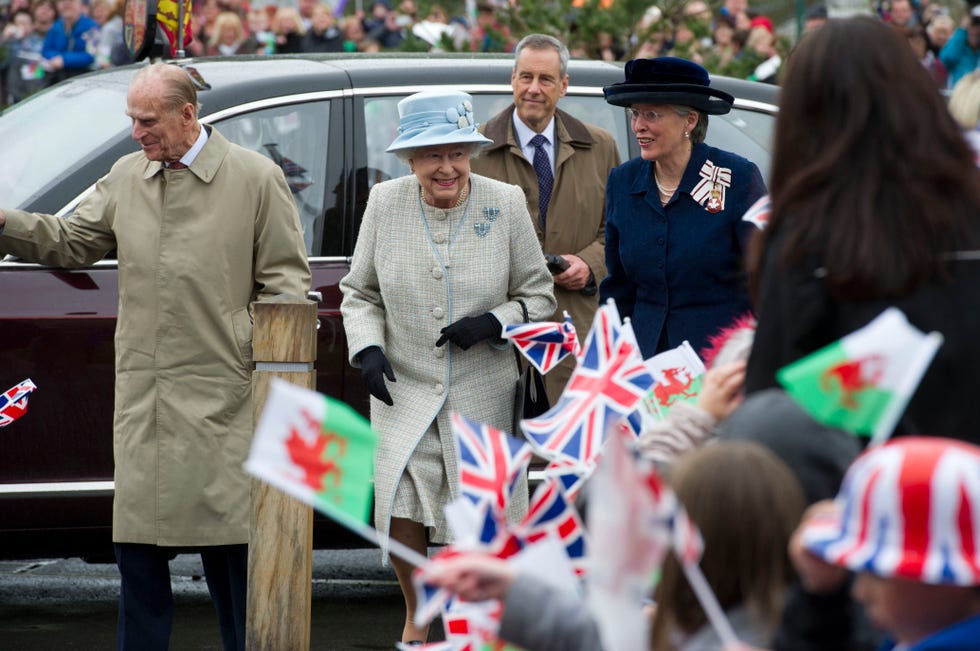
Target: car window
(295,137)
(382,114)
(744,132)
(41,143)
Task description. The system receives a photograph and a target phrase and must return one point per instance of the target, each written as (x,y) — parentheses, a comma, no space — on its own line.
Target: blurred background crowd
(43,41)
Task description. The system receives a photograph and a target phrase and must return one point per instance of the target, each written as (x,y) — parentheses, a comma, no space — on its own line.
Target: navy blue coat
(678,269)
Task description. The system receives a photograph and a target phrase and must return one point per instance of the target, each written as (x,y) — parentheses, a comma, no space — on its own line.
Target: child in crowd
(906,521)
(746,503)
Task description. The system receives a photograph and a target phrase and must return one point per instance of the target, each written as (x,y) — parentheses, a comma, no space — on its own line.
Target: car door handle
(313,295)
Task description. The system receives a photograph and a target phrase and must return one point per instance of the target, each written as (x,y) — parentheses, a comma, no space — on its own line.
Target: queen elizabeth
(443,259)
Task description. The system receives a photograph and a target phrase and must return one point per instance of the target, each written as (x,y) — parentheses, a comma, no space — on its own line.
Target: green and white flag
(863,382)
(316,449)
(678,374)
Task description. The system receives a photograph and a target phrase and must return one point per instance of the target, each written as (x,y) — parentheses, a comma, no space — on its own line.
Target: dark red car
(326,120)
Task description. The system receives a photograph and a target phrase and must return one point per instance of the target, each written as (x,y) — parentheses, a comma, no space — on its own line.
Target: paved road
(69,604)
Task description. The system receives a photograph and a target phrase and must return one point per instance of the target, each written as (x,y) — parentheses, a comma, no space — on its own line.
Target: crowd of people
(883,557)
(896,226)
(875,202)
(43,41)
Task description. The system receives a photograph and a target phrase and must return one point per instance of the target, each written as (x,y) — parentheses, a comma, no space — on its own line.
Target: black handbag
(531,399)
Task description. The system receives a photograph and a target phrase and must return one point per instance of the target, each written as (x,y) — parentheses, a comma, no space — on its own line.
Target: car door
(305,135)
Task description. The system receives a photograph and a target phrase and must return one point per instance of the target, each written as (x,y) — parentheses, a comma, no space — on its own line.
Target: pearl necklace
(667,192)
(459,201)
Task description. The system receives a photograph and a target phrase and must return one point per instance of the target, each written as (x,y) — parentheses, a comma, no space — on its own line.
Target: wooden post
(280,551)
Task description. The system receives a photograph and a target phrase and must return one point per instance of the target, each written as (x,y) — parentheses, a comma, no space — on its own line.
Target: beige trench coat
(576,214)
(195,248)
(410,277)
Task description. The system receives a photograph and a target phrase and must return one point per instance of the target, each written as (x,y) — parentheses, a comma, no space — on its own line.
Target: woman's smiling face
(659,130)
(442,171)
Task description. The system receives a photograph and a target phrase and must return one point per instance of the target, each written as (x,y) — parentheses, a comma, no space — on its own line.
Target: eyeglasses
(647,116)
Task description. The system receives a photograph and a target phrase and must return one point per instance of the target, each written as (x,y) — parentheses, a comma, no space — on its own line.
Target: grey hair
(700,129)
(178,87)
(544,42)
(405,154)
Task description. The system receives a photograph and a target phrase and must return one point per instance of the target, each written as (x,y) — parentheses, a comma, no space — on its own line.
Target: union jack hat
(908,509)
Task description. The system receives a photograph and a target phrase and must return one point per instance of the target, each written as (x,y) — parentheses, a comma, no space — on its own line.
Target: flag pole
(384,541)
(710,604)
(903,392)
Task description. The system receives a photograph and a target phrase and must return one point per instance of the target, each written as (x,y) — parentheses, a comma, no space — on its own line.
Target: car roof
(240,79)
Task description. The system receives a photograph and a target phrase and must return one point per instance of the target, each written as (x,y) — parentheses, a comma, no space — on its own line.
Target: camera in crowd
(558,264)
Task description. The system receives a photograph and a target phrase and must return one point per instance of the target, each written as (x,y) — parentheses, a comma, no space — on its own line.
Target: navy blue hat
(668,80)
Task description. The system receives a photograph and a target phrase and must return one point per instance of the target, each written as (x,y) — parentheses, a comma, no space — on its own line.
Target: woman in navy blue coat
(675,239)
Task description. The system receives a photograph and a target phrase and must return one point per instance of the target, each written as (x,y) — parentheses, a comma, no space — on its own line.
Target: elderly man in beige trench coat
(202,228)
(581,155)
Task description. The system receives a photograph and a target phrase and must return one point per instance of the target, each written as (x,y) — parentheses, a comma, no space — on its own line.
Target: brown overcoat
(576,221)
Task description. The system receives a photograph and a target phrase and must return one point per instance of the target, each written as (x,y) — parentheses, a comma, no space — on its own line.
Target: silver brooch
(482,230)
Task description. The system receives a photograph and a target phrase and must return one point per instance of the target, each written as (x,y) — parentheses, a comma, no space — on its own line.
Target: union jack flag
(551,512)
(672,517)
(494,538)
(13,402)
(758,213)
(431,599)
(606,386)
(570,475)
(606,327)
(545,343)
(473,626)
(908,509)
(491,462)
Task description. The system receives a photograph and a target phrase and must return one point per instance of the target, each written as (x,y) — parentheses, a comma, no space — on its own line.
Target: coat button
(439,387)
(438,312)
(439,238)
(660,240)
(436,273)
(439,352)
(441,215)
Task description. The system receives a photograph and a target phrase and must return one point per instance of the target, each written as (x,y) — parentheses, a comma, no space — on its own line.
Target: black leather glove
(470,330)
(374,369)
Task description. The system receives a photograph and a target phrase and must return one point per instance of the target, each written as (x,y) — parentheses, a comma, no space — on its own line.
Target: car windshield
(42,141)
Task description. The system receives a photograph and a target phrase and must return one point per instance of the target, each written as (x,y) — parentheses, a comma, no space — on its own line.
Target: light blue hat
(436,117)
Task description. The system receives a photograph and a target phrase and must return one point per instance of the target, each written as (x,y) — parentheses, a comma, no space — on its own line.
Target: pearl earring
(687,135)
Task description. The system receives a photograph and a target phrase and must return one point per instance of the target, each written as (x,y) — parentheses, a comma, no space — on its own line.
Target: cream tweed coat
(415,270)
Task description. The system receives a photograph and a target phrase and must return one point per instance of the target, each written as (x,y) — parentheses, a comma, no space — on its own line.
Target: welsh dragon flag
(863,382)
(316,449)
(678,374)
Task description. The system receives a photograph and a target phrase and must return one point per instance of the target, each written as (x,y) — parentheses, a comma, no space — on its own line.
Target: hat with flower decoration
(908,509)
(436,117)
(668,80)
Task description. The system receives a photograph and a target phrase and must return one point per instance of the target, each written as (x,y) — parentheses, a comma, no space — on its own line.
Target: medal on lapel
(710,190)
(714,203)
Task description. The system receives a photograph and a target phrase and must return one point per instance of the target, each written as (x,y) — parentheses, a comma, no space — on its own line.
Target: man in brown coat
(579,155)
(202,229)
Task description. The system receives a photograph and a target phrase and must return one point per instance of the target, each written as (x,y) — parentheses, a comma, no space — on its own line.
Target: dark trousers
(146,602)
